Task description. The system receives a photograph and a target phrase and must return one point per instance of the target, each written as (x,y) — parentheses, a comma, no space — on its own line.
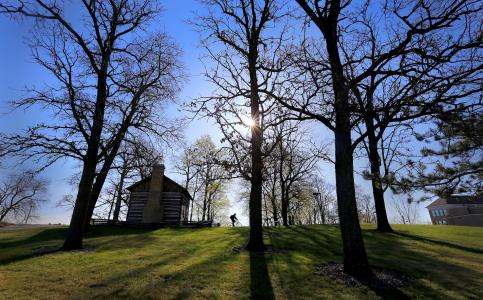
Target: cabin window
(440,213)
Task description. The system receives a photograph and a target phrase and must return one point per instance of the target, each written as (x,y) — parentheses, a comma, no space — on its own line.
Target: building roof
(457,199)
(166,178)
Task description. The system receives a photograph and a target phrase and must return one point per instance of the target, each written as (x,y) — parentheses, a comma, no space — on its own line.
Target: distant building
(158,200)
(457,210)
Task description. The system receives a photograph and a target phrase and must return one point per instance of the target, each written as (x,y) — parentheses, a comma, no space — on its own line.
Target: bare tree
(325,201)
(347,61)
(296,158)
(406,210)
(365,207)
(244,66)
(112,81)
(440,75)
(20,196)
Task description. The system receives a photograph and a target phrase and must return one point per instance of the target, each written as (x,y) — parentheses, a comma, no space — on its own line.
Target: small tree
(20,196)
(203,167)
(365,207)
(406,210)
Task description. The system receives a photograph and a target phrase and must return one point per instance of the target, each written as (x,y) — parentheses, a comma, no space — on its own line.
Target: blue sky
(17,71)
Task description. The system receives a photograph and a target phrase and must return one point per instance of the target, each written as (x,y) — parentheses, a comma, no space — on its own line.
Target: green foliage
(456,164)
(445,261)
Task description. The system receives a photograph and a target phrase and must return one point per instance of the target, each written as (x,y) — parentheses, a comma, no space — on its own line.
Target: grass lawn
(446,262)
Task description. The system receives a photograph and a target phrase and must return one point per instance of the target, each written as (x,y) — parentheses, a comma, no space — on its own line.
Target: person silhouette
(233,220)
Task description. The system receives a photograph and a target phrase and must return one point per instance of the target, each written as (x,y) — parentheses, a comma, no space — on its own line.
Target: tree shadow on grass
(50,240)
(260,284)
(433,274)
(441,243)
(431,267)
(193,270)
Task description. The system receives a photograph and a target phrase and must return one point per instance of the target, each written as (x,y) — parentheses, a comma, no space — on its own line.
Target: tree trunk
(111,207)
(191,210)
(355,258)
(255,242)
(101,177)
(120,187)
(75,232)
(376,180)
(274,210)
(284,211)
(205,196)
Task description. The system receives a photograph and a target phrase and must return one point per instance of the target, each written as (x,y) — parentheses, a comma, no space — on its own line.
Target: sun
(249,122)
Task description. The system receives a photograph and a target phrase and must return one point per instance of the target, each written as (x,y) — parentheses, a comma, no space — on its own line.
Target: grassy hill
(445,262)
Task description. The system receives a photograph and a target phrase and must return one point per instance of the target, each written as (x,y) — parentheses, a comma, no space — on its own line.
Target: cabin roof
(166,178)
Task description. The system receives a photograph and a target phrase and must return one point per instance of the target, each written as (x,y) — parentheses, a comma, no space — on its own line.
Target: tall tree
(243,66)
(327,18)
(111,78)
(346,63)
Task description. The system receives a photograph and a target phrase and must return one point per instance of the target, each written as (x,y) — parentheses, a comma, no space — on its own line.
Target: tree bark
(274,210)
(355,257)
(376,180)
(117,208)
(75,233)
(284,209)
(255,242)
(205,200)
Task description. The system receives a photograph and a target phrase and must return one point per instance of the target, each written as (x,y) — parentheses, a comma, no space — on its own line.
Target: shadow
(322,240)
(31,246)
(200,263)
(46,235)
(260,284)
(13,259)
(383,290)
(441,243)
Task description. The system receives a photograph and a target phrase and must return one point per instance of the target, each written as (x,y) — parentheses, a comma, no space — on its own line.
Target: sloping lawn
(446,263)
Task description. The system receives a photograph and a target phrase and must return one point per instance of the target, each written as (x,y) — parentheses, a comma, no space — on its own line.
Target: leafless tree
(365,207)
(243,45)
(344,61)
(406,210)
(113,78)
(325,202)
(20,196)
(440,75)
(296,157)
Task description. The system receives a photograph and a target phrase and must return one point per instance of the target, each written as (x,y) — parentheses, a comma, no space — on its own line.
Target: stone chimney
(152,210)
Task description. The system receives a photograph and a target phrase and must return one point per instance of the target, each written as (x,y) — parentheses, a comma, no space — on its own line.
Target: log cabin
(158,200)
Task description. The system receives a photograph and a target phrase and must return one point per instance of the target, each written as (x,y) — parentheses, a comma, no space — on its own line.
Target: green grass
(446,263)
